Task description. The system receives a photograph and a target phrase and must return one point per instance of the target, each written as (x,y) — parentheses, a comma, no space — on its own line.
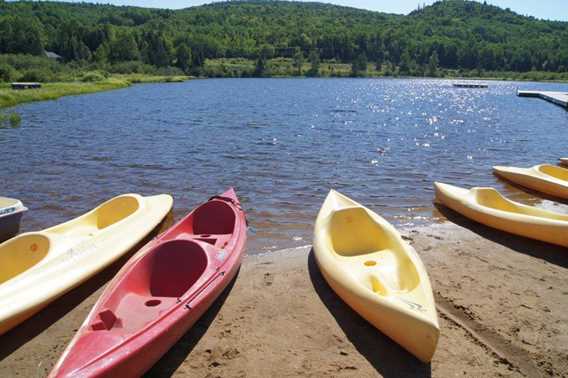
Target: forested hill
(452,34)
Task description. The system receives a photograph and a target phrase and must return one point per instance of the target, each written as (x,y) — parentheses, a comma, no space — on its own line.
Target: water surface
(281,142)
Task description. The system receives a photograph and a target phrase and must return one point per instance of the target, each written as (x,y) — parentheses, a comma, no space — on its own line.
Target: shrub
(8,73)
(169,71)
(132,67)
(36,74)
(94,76)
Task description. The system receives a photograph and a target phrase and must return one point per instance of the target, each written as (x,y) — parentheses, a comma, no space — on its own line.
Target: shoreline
(55,90)
(499,299)
(52,91)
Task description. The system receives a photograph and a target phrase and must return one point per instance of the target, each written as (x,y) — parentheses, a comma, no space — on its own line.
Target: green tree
(101,55)
(124,48)
(298,60)
(465,35)
(267,51)
(7,73)
(158,49)
(315,63)
(260,67)
(405,65)
(183,58)
(433,62)
(359,65)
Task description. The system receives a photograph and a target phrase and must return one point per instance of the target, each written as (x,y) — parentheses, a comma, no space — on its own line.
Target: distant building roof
(52,55)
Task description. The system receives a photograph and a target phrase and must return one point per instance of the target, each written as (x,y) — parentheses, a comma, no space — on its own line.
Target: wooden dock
(470,85)
(558,98)
(26,85)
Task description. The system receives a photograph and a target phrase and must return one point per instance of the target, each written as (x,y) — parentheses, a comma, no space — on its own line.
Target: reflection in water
(282,143)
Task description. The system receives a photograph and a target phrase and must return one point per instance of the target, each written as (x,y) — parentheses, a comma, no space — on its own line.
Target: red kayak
(159,293)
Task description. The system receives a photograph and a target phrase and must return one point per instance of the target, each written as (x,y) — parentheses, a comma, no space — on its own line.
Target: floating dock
(470,85)
(558,98)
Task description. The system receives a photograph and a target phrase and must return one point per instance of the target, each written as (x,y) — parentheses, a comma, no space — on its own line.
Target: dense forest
(449,35)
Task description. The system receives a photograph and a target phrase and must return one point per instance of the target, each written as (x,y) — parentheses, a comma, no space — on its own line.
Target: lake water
(281,142)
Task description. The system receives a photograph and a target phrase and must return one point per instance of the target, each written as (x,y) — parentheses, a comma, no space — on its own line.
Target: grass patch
(52,91)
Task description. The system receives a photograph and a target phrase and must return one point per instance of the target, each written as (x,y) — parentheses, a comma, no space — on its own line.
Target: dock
(558,98)
(26,85)
(470,85)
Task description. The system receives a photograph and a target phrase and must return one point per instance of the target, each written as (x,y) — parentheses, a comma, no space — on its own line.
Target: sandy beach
(501,301)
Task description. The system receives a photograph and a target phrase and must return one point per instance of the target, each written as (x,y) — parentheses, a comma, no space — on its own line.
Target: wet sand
(501,302)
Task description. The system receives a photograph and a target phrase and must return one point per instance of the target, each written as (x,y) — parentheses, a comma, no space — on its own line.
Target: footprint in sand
(231,354)
(268,279)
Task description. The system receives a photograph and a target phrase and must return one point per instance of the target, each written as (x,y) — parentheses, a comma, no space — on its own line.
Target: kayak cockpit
(556,172)
(104,216)
(371,253)
(214,217)
(152,286)
(491,198)
(22,253)
(354,232)
(214,223)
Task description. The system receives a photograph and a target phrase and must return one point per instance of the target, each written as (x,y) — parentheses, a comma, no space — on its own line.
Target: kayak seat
(213,217)
(21,253)
(169,270)
(556,172)
(385,272)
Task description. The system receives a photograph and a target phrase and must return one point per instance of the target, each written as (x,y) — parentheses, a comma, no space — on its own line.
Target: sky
(547,9)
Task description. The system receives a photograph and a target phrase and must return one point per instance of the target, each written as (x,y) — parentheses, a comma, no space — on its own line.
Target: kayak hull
(488,207)
(152,346)
(11,211)
(159,294)
(38,267)
(544,178)
(366,262)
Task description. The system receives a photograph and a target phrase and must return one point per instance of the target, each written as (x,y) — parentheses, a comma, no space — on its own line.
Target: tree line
(451,34)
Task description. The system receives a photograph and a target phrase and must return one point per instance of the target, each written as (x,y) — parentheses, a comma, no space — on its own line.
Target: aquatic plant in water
(12,120)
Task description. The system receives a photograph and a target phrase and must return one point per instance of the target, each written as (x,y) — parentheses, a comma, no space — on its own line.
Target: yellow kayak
(489,207)
(544,178)
(38,267)
(365,261)
(564,162)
